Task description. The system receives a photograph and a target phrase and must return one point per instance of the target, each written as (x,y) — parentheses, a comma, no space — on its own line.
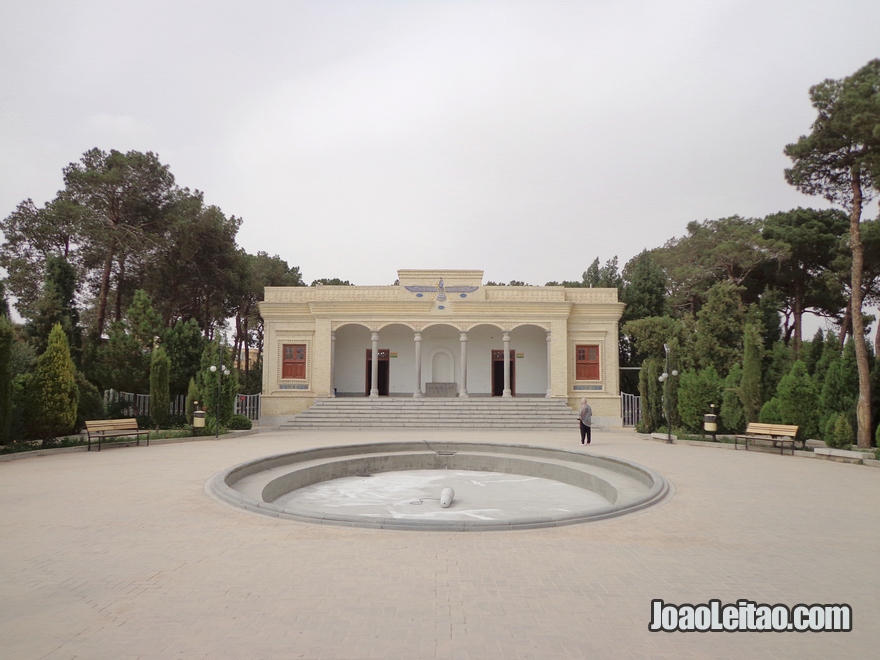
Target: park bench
(778,434)
(112,428)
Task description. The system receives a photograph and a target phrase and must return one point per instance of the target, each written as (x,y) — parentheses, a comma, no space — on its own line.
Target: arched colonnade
(440,359)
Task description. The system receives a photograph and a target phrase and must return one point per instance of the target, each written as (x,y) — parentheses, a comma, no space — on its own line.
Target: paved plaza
(121,554)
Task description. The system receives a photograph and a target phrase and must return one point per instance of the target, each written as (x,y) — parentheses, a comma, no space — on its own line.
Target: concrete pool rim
(316,465)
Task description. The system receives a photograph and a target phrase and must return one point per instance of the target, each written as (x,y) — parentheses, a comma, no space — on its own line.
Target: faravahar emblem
(441,291)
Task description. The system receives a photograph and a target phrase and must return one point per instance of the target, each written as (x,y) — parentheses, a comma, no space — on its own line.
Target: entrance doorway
(498,373)
(384,366)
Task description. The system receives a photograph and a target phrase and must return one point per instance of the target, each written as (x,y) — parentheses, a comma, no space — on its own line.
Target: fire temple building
(440,333)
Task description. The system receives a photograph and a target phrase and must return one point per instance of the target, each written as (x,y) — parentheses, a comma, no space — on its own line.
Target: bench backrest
(755,428)
(100,425)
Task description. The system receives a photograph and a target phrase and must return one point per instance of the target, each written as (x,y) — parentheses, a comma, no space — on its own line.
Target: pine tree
(56,304)
(160,399)
(144,322)
(122,363)
(53,396)
(184,344)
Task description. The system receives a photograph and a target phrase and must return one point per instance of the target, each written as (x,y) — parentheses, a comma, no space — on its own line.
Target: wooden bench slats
(111,428)
(781,434)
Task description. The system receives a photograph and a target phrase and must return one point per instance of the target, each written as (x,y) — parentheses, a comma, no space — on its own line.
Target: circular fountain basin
(397,485)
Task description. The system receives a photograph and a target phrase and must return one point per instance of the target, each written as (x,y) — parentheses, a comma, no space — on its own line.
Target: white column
(549,370)
(417,392)
(462,392)
(332,364)
(506,338)
(374,367)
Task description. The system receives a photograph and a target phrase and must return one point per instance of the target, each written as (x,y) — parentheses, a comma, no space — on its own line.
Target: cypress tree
(4,304)
(837,397)
(160,398)
(799,401)
(91,403)
(830,351)
(192,395)
(770,412)
(719,328)
(696,392)
(750,391)
(651,393)
(53,396)
(813,351)
(841,435)
(777,362)
(217,404)
(732,413)
(6,339)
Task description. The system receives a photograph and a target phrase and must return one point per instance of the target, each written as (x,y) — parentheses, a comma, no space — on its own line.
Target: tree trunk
(798,314)
(105,290)
(845,325)
(247,351)
(863,408)
(120,281)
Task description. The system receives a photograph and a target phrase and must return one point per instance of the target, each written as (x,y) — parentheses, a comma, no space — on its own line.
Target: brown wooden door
(498,372)
(384,371)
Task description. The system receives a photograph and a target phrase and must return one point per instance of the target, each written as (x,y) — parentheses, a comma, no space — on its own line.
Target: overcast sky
(355,138)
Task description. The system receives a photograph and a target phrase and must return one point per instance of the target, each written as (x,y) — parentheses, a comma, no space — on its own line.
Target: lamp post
(223,371)
(664,378)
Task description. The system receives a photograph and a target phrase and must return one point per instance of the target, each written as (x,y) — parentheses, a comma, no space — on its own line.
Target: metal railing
(630,409)
(138,405)
(248,405)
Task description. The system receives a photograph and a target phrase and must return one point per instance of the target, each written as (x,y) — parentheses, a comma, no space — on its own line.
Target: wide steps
(481,413)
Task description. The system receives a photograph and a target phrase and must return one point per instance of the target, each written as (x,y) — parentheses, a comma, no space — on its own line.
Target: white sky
(355,138)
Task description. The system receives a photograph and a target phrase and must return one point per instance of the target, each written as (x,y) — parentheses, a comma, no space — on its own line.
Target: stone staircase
(471,413)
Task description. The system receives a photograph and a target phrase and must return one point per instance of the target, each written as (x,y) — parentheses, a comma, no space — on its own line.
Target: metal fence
(248,405)
(630,409)
(138,405)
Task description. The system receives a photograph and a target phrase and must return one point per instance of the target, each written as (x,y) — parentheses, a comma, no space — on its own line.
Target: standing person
(585,417)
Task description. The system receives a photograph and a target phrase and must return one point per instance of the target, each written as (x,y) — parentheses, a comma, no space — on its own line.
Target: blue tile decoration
(294,386)
(463,295)
(588,387)
(419,295)
(441,307)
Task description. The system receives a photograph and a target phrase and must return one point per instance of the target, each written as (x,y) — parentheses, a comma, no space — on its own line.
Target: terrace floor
(121,554)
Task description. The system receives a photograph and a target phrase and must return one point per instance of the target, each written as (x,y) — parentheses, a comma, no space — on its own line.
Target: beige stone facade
(440,332)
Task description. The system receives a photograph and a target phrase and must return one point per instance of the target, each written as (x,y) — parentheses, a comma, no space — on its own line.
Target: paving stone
(120,554)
